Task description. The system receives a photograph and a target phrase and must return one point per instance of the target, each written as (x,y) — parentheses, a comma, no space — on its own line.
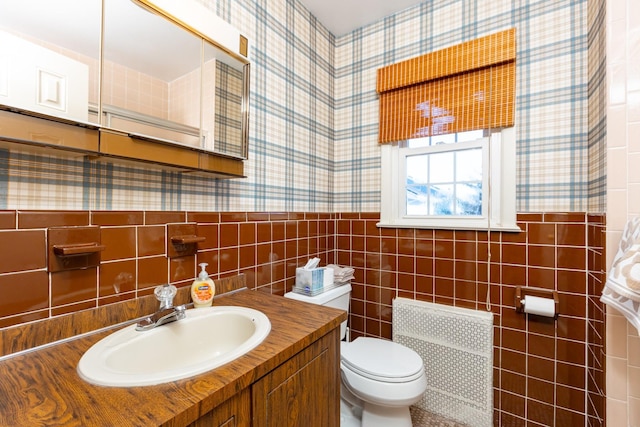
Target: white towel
(622,289)
(341,274)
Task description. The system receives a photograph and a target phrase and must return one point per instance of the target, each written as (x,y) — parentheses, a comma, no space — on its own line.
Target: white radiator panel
(456,345)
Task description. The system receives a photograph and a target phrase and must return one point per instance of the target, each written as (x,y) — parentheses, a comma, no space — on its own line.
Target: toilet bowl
(380,378)
(385,377)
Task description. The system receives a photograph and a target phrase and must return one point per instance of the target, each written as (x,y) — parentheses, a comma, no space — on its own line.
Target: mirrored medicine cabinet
(147,82)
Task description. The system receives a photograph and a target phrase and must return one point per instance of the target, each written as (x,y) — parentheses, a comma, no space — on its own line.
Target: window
(441,165)
(463,180)
(445,177)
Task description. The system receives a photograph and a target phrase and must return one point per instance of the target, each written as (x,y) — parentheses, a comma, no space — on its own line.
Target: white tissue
(539,306)
(312,263)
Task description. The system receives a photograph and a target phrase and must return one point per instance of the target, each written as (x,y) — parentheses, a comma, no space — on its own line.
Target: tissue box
(313,279)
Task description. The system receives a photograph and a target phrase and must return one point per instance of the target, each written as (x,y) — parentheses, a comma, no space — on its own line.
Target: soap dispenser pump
(203,289)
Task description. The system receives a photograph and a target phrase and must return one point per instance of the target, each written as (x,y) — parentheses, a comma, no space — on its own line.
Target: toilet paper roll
(539,306)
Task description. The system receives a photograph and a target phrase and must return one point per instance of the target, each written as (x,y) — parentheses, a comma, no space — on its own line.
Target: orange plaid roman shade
(460,88)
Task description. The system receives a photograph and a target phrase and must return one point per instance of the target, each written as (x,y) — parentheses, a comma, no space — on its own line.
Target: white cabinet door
(38,79)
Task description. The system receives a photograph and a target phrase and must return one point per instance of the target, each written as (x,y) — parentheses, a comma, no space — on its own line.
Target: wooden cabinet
(165,84)
(120,145)
(123,146)
(291,379)
(40,132)
(303,391)
(234,412)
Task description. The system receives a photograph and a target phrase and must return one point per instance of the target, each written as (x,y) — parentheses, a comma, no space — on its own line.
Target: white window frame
(498,188)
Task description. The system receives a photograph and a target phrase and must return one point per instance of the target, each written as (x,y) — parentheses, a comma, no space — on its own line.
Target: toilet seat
(381,360)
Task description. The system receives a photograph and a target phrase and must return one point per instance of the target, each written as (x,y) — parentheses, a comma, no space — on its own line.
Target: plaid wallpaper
(551,94)
(597,102)
(314,113)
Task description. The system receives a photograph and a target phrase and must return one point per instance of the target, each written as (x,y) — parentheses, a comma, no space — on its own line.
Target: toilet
(380,378)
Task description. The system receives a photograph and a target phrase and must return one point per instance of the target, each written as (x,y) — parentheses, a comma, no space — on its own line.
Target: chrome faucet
(167,313)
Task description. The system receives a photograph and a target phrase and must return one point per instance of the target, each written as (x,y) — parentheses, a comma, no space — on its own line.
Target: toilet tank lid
(323,297)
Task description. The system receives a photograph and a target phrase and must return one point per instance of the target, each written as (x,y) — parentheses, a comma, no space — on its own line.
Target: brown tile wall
(546,372)
(596,270)
(266,247)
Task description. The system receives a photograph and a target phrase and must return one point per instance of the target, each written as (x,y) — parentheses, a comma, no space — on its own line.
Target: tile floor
(422,418)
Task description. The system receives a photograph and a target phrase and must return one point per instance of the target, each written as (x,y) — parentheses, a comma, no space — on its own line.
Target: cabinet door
(117,144)
(234,412)
(49,57)
(304,391)
(46,133)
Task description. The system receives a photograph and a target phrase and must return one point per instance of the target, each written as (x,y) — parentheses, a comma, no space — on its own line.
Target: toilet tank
(337,297)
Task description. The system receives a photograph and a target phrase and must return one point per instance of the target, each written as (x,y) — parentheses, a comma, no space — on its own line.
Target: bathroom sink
(205,339)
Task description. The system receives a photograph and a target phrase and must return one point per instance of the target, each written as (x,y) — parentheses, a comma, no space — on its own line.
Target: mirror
(150,78)
(230,116)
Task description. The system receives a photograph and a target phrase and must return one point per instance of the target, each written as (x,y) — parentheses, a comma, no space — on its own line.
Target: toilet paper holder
(522,292)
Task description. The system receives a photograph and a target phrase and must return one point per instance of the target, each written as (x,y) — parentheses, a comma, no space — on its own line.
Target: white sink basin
(206,339)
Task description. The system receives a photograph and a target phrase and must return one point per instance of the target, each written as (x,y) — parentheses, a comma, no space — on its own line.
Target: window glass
(472,135)
(469,199)
(442,203)
(441,167)
(469,165)
(443,181)
(418,169)
(450,138)
(417,200)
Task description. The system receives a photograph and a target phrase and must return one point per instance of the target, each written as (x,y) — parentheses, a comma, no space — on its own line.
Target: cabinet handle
(187,239)
(77,249)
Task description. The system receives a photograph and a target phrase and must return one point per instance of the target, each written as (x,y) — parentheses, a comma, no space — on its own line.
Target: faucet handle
(165,294)
(181,312)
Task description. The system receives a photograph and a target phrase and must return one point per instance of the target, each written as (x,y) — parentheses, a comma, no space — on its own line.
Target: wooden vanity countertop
(42,387)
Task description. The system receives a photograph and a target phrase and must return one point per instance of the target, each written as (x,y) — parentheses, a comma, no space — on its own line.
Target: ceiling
(343,16)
